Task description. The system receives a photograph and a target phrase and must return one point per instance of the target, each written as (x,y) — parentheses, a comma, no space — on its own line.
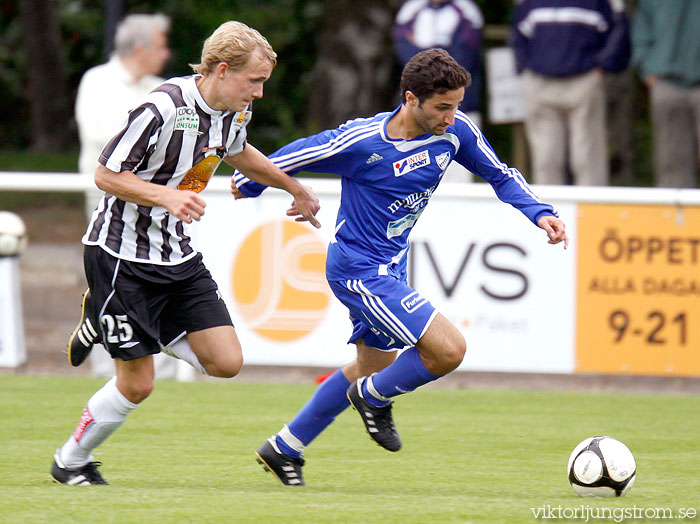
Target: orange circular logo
(279,281)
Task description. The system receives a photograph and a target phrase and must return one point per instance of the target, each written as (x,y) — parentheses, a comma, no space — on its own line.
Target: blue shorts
(385,312)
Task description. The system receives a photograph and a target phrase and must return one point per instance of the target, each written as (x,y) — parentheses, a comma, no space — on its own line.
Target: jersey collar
(200,99)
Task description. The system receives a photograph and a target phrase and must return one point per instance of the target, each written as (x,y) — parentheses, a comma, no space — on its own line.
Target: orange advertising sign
(278,280)
(638,289)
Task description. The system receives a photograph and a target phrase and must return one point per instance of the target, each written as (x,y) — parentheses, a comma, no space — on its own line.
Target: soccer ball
(13,234)
(601,467)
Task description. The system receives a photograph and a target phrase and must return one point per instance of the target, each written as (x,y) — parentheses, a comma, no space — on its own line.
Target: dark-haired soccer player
(148,286)
(390,165)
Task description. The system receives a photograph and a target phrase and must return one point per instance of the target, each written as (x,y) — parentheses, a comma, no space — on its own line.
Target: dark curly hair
(432,71)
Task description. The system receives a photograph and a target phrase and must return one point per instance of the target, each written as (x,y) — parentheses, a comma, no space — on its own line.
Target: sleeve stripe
(491,155)
(298,159)
(336,141)
(306,156)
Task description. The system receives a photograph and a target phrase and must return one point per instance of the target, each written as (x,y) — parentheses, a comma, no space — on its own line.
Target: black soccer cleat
(85,335)
(286,469)
(83,476)
(378,421)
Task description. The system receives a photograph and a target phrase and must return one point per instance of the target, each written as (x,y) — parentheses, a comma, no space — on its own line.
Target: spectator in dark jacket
(564,48)
(453,25)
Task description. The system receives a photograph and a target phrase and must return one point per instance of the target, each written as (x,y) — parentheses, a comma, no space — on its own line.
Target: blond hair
(232,43)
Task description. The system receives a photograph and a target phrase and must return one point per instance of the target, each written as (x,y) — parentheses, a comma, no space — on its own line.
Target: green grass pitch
(187,455)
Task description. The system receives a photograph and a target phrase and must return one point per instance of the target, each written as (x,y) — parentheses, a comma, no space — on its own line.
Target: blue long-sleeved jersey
(570,37)
(386,184)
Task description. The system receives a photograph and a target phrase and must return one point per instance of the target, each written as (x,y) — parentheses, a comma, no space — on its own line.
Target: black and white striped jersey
(175,139)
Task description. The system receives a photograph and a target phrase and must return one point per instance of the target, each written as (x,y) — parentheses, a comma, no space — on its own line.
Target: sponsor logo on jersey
(411,163)
(443,160)
(412,302)
(413,201)
(186,119)
(241,119)
(395,228)
(374,158)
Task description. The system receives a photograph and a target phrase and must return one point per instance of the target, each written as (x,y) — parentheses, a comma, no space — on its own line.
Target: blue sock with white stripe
(327,402)
(405,374)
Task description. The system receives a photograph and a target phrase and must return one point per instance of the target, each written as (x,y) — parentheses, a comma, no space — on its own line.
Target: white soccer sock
(291,440)
(106,410)
(181,349)
(373,391)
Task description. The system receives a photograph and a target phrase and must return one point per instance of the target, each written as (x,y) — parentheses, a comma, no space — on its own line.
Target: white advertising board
(12,348)
(491,272)
(482,263)
(270,271)
(522,304)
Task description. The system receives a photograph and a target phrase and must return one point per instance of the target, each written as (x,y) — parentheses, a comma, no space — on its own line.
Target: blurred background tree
(291,27)
(336,62)
(45,71)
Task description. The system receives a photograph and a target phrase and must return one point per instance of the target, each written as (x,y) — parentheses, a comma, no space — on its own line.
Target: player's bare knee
(232,369)
(454,354)
(225,368)
(137,391)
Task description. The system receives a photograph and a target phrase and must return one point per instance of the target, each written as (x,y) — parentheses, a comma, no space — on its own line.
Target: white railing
(73,182)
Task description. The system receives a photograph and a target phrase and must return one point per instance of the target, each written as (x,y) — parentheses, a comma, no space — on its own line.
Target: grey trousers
(675,116)
(565,117)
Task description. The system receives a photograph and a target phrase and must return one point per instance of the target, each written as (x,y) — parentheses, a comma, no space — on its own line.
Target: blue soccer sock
(327,402)
(405,374)
(371,395)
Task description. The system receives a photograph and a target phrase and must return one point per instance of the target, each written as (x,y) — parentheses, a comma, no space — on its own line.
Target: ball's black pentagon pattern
(605,481)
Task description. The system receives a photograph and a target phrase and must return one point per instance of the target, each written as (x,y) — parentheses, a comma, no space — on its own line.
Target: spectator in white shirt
(108,91)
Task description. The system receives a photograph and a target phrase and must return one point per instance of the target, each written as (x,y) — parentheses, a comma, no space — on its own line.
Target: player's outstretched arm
(256,166)
(555,228)
(185,205)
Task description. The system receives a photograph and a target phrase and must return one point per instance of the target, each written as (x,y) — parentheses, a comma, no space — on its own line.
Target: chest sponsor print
(397,227)
(411,163)
(187,120)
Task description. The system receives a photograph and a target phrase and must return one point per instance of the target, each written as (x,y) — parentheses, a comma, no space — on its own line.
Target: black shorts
(141,305)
